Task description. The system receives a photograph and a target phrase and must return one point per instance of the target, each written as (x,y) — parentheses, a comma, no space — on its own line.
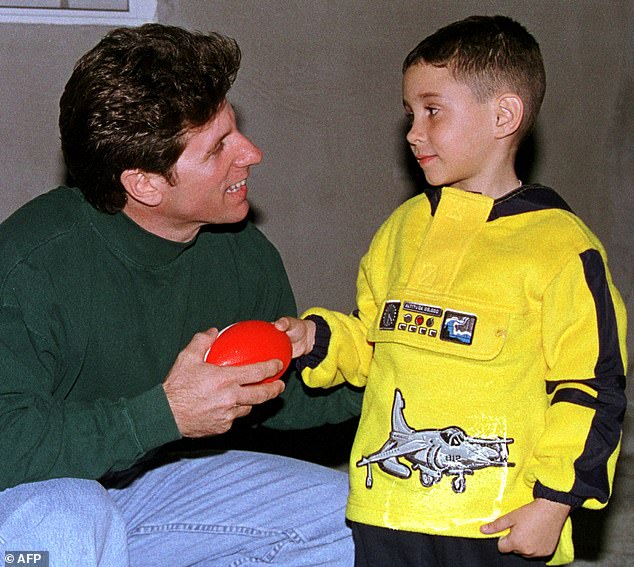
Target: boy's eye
(432,110)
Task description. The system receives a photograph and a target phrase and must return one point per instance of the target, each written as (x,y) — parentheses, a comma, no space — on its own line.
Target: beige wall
(319,91)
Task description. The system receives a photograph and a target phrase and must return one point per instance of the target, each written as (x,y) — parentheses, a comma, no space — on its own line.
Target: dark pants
(382,547)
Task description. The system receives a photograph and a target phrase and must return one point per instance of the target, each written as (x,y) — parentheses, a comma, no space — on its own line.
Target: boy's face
(451,133)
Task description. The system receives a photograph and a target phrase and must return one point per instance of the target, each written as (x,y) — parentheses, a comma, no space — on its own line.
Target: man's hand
(534,528)
(301,332)
(206,399)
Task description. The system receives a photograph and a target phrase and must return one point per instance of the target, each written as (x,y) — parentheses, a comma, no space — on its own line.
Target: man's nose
(249,154)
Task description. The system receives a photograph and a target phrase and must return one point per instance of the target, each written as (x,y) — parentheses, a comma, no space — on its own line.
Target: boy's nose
(415,134)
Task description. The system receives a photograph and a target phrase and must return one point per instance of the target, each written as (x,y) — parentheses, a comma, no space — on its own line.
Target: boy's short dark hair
(131,100)
(489,54)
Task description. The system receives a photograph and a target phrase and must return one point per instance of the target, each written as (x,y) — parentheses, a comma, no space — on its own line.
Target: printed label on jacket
(434,452)
(422,319)
(458,327)
(442,324)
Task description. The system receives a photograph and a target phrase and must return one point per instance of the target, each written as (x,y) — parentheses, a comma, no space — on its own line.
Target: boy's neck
(495,183)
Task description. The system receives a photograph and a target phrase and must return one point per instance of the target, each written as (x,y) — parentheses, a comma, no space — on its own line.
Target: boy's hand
(301,333)
(534,528)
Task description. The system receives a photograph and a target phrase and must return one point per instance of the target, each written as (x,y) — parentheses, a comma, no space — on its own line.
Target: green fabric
(93,312)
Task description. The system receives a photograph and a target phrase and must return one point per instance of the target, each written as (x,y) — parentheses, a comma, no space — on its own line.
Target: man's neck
(152,221)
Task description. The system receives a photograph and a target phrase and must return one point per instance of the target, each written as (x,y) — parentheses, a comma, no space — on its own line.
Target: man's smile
(237,186)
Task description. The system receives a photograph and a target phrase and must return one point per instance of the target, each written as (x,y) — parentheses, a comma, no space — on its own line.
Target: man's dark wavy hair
(489,54)
(131,100)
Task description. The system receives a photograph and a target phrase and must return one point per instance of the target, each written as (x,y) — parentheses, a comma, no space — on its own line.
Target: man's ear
(509,114)
(146,188)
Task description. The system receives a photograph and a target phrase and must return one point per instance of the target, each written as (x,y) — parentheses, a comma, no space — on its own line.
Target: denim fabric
(74,520)
(227,509)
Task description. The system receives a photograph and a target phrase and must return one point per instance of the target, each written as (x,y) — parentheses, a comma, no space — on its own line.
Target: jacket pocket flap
(442,324)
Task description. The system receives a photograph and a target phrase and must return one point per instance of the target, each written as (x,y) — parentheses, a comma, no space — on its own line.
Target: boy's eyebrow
(429,94)
(424,95)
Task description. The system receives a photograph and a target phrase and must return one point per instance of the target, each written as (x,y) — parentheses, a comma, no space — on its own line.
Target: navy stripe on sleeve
(609,362)
(591,476)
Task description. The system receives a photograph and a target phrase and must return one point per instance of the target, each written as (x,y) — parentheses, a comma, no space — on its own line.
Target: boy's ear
(509,114)
(146,188)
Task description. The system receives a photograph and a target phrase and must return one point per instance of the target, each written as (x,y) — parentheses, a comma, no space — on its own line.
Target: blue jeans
(228,509)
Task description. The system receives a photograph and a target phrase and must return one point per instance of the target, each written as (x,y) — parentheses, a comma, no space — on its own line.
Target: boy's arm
(584,345)
(333,347)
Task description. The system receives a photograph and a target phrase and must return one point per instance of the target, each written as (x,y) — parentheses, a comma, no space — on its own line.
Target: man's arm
(301,407)
(45,436)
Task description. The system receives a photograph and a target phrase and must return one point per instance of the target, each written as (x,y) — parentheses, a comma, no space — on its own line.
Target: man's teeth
(237,186)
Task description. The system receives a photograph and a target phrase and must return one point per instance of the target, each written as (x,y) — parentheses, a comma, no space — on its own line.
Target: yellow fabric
(528,317)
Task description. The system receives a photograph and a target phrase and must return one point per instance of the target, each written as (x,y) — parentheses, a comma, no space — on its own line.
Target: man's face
(451,131)
(209,183)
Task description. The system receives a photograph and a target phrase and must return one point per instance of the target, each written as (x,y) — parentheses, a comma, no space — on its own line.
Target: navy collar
(524,199)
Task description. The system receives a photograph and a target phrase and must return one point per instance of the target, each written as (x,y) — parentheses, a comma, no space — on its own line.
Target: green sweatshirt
(93,313)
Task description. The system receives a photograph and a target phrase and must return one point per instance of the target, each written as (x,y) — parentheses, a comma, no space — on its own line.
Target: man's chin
(238,215)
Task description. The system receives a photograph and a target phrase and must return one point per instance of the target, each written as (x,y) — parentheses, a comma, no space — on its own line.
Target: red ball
(248,342)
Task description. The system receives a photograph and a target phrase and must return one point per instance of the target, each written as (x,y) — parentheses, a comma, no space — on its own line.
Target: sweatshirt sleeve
(584,324)
(342,351)
(44,435)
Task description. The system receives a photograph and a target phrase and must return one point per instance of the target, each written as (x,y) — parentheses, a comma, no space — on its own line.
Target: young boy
(488,334)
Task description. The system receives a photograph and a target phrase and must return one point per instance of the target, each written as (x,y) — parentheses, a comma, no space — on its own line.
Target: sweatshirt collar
(527,198)
(129,240)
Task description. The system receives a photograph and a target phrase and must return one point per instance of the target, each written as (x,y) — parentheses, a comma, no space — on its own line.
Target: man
(111,294)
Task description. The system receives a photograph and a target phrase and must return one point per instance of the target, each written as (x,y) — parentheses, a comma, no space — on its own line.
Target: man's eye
(432,111)
(217,149)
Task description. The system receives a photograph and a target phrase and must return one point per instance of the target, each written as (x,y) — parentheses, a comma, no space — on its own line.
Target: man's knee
(74,520)
(68,503)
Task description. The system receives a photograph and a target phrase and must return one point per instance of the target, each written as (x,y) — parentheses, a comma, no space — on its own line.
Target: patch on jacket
(423,319)
(434,452)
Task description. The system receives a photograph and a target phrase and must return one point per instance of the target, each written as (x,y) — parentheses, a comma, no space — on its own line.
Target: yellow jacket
(491,343)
